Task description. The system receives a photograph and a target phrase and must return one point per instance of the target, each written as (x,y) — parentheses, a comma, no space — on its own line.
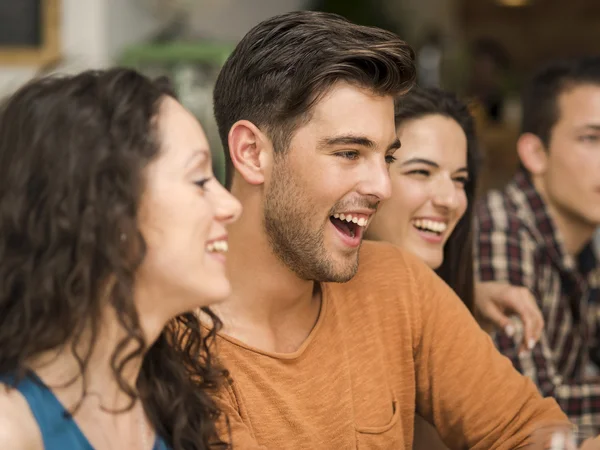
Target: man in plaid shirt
(538,233)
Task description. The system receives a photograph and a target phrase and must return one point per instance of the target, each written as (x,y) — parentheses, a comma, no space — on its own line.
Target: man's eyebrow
(350,139)
(346,139)
(394,145)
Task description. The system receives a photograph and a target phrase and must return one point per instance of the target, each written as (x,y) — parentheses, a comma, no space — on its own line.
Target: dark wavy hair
(72,155)
(541,95)
(457,267)
(284,65)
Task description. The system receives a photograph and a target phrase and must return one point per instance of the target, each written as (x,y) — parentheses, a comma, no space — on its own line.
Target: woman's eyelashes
(421,172)
(462,180)
(424,173)
(202,182)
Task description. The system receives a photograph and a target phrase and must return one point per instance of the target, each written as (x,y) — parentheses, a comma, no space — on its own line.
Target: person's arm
(495,303)
(465,388)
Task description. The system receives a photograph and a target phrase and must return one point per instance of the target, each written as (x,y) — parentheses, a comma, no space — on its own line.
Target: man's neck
(270,306)
(575,233)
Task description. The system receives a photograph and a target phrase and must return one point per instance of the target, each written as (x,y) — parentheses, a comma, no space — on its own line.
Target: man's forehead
(348,109)
(580,100)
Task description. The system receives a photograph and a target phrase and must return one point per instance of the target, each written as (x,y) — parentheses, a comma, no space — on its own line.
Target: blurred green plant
(363,12)
(193,68)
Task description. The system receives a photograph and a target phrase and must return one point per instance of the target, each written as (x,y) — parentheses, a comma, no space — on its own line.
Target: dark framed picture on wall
(29,31)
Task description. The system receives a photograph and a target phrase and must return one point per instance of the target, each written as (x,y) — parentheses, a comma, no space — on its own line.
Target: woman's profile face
(183,216)
(428,180)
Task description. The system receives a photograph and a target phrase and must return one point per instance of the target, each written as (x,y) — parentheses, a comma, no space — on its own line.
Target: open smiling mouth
(348,224)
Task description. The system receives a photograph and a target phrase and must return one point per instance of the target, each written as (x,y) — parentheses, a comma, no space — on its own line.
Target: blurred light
(513,2)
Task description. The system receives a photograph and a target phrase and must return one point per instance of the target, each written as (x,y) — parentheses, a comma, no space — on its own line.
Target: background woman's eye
(422,172)
(348,154)
(389,159)
(202,183)
(462,180)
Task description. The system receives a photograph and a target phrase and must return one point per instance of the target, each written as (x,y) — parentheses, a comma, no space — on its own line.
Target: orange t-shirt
(393,340)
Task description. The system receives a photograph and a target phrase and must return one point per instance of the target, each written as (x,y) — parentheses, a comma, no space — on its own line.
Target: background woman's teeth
(438,227)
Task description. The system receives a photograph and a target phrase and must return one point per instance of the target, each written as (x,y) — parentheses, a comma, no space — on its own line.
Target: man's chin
(344,268)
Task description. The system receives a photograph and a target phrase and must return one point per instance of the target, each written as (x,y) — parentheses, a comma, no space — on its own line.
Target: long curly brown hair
(72,155)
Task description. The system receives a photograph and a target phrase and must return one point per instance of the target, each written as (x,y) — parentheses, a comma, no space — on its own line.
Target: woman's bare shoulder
(18,427)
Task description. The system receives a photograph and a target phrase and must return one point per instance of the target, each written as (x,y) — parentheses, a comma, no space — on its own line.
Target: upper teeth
(361,222)
(217,246)
(438,227)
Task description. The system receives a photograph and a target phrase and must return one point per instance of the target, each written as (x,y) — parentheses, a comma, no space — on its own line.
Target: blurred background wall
(483,49)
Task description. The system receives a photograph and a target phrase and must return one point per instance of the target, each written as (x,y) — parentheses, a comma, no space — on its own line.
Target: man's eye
(348,154)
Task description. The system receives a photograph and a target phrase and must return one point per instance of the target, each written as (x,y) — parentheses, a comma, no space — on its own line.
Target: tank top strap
(58,429)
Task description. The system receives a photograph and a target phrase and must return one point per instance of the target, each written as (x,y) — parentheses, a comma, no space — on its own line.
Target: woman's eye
(421,172)
(202,183)
(389,159)
(462,180)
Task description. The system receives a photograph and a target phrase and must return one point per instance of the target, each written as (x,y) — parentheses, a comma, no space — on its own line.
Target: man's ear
(533,153)
(250,151)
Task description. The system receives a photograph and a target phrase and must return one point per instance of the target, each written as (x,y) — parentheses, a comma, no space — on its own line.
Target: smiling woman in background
(430,211)
(112,231)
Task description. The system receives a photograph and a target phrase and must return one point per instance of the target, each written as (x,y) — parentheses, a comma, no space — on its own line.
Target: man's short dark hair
(284,65)
(540,97)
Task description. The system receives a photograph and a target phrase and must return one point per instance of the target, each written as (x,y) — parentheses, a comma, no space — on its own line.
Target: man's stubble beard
(293,239)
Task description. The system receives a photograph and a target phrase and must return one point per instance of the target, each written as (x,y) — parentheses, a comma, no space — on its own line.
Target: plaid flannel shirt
(517,242)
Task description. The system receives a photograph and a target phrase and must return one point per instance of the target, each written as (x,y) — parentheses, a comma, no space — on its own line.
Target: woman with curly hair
(112,232)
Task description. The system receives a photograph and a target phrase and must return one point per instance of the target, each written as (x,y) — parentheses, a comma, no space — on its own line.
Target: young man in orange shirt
(327,348)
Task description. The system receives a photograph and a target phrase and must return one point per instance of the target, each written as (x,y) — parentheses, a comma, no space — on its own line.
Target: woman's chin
(433,260)
(216,292)
(432,257)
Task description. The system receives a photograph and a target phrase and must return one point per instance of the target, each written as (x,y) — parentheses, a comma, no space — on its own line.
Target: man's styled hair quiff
(285,65)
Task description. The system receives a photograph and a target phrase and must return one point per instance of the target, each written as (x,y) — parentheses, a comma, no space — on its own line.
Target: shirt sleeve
(465,388)
(580,401)
(231,426)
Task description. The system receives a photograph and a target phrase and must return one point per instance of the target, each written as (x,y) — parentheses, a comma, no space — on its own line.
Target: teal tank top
(59,431)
